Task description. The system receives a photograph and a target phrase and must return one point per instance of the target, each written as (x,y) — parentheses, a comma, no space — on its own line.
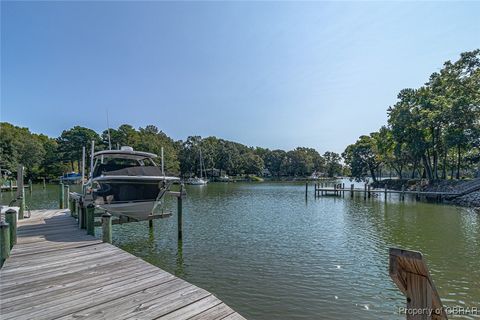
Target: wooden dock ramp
(56,271)
(410,273)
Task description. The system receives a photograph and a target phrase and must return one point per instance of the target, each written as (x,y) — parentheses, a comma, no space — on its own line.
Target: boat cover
(135,171)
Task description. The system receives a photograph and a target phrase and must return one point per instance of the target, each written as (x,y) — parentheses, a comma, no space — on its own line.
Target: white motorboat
(127,182)
(196,181)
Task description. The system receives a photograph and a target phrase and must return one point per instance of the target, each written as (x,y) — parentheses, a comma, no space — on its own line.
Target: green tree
(333,167)
(362,158)
(71,141)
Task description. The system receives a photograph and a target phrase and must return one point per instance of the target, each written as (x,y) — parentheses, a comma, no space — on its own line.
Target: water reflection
(271,254)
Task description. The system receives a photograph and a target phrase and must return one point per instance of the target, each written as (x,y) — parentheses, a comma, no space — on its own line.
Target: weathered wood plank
(57,271)
(117,307)
(192,309)
(217,312)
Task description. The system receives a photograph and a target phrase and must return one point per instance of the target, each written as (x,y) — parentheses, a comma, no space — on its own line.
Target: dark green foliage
(50,158)
(433,131)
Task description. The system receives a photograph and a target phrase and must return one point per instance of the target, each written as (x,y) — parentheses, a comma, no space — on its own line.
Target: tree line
(48,157)
(432,132)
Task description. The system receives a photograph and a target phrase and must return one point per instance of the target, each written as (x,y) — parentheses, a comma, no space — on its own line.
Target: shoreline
(470,200)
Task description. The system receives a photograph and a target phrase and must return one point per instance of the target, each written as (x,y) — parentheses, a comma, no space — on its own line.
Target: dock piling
(67,192)
(20,191)
(107,227)
(180,213)
(72,207)
(21,212)
(30,185)
(82,216)
(306,189)
(5,242)
(385,191)
(90,220)
(365,192)
(61,197)
(402,196)
(409,271)
(351,190)
(44,184)
(11,219)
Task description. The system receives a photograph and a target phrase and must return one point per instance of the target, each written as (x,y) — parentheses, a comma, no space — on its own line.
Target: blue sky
(271,74)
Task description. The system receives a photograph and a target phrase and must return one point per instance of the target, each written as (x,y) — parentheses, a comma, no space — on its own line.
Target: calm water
(270,254)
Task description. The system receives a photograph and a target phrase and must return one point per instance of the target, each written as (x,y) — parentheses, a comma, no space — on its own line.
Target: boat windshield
(106,164)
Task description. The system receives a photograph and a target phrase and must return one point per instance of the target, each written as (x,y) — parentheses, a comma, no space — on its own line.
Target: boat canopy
(125,154)
(136,171)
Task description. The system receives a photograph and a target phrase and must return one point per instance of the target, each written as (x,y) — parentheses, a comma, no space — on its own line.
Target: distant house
(266,173)
(316,175)
(213,172)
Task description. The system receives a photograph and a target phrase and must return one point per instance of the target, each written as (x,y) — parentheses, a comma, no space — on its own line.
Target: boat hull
(138,210)
(134,197)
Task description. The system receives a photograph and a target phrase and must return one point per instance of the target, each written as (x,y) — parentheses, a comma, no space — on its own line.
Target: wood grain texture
(56,271)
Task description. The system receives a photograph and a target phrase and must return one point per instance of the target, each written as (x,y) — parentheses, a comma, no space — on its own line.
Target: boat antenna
(91,158)
(161,154)
(108,129)
(83,166)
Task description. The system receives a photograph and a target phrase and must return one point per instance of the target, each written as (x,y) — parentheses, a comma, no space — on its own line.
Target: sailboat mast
(201,164)
(109,139)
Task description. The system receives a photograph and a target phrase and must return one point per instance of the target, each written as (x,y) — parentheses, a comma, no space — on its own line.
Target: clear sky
(271,74)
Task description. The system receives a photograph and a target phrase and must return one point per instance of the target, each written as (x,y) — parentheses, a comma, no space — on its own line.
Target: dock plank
(56,271)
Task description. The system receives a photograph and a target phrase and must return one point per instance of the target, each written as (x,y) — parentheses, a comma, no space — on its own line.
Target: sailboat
(127,182)
(199,181)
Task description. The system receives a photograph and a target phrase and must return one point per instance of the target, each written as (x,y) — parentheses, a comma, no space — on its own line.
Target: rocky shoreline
(471,200)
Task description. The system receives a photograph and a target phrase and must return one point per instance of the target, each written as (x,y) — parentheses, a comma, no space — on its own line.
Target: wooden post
(44,184)
(351,190)
(91,219)
(385,191)
(365,192)
(306,189)
(68,196)
(11,219)
(78,210)
(418,192)
(20,191)
(409,272)
(369,192)
(402,196)
(107,227)
(150,225)
(61,196)
(73,207)
(179,213)
(5,242)
(82,219)
(343,189)
(30,185)
(21,212)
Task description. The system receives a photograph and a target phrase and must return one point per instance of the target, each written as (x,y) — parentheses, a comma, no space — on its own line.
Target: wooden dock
(56,271)
(368,192)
